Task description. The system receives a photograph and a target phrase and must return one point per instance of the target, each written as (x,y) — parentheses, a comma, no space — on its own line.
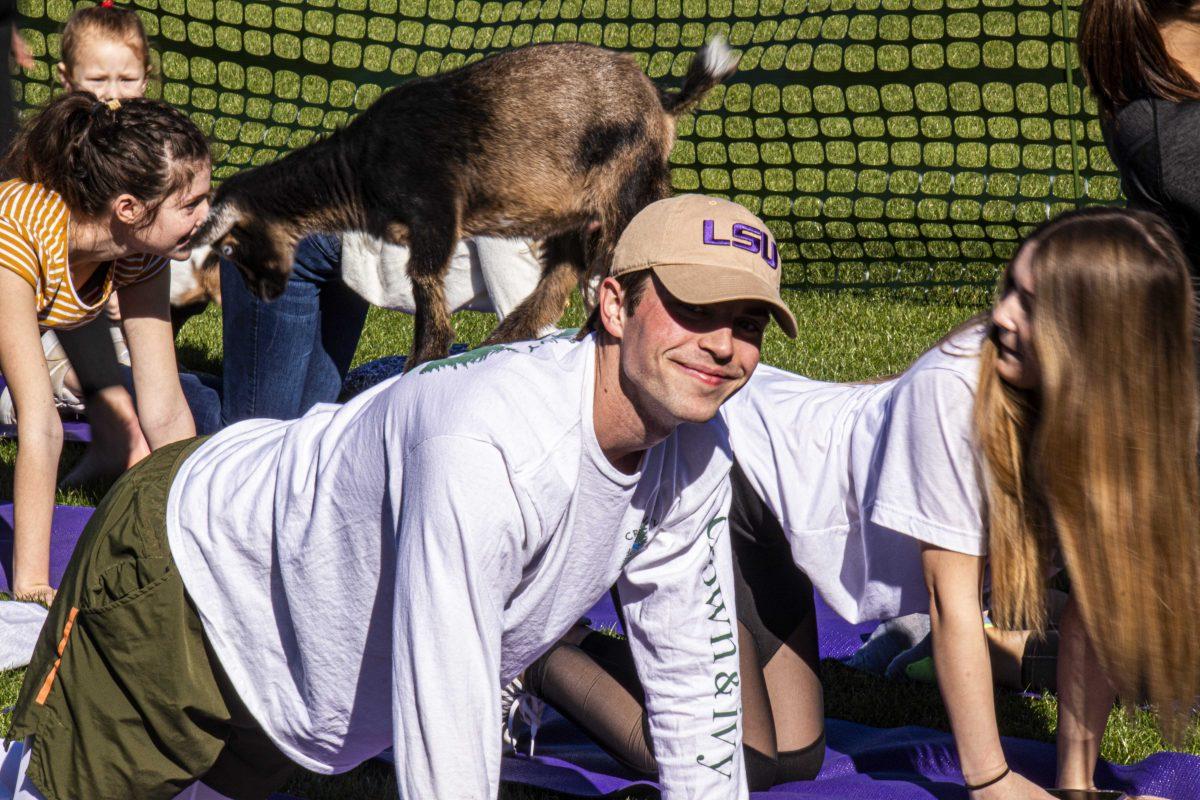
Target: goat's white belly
(185,281)
(485,274)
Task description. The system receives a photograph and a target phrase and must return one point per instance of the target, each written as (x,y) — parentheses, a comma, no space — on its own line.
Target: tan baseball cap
(705,250)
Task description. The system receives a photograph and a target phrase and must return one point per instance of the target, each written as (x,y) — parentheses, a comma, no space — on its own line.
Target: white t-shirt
(371,574)
(859,475)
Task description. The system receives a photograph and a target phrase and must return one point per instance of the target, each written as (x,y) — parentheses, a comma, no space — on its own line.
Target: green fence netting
(888,143)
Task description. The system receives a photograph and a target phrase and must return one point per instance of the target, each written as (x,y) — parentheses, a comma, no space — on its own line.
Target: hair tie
(976,787)
(101,106)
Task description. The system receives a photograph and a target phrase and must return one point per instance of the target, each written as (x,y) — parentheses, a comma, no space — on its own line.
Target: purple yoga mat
(64,533)
(73,431)
(861,763)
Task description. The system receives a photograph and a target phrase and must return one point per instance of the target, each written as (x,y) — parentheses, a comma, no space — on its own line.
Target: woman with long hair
(1059,432)
(105,194)
(1141,59)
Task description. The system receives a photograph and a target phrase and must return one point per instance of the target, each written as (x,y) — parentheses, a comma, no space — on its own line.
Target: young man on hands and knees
(314,591)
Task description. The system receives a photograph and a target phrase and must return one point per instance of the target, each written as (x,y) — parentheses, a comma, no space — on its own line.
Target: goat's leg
(562,264)
(648,180)
(430,249)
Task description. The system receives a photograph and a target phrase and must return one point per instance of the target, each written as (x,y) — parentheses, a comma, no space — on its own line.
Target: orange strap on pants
(62,646)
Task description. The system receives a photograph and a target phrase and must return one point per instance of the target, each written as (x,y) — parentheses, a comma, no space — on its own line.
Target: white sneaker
(520,714)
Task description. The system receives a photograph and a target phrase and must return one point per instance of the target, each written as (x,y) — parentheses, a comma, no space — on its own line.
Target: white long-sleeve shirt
(370,575)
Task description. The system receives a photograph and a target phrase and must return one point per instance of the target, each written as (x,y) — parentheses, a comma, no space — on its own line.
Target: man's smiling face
(683,361)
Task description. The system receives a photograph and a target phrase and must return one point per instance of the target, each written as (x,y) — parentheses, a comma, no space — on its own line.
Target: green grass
(844,336)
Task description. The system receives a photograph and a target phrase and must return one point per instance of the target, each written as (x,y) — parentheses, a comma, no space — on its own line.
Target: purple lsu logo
(746,237)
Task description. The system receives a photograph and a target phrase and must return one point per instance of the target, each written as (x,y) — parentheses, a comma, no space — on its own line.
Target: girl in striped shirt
(106,194)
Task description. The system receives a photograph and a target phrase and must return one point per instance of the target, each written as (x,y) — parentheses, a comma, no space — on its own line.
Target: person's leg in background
(117,440)
(342,317)
(285,355)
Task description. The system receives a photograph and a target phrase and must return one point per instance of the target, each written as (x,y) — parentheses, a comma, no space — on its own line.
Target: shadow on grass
(881,703)
(71,453)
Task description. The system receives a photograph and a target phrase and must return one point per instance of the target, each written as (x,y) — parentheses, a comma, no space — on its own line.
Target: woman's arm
(960,656)
(39,432)
(162,409)
(1084,699)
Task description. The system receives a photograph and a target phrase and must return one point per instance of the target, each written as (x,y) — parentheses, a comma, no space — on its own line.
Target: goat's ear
(221,217)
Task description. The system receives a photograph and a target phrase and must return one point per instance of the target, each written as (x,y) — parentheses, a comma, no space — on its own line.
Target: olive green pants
(124,697)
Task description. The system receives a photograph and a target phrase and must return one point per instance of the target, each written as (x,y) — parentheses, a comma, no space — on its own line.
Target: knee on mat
(803,764)
(761,769)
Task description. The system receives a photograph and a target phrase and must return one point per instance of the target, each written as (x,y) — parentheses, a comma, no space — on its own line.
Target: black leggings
(595,684)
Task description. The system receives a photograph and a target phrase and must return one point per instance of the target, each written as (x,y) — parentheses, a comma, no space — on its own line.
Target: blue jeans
(202,393)
(284,356)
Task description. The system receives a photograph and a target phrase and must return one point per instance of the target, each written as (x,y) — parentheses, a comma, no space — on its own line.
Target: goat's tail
(711,65)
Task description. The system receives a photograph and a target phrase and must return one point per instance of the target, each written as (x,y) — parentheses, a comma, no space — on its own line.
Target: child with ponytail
(106,193)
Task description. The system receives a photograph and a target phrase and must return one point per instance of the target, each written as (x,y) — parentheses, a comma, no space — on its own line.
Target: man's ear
(63,78)
(611,306)
(128,209)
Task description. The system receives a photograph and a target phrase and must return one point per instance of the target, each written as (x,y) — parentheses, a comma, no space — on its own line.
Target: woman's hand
(960,656)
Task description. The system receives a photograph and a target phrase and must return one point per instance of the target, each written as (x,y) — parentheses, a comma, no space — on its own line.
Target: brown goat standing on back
(559,142)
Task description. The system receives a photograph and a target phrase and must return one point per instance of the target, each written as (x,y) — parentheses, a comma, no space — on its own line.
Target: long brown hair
(1100,464)
(91,152)
(1123,55)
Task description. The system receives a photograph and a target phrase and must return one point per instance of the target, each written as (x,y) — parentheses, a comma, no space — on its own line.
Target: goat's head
(261,249)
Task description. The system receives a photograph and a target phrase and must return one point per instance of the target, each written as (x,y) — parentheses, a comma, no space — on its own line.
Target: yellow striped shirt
(33,243)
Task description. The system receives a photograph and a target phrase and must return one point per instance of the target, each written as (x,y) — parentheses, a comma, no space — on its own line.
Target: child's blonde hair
(108,21)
